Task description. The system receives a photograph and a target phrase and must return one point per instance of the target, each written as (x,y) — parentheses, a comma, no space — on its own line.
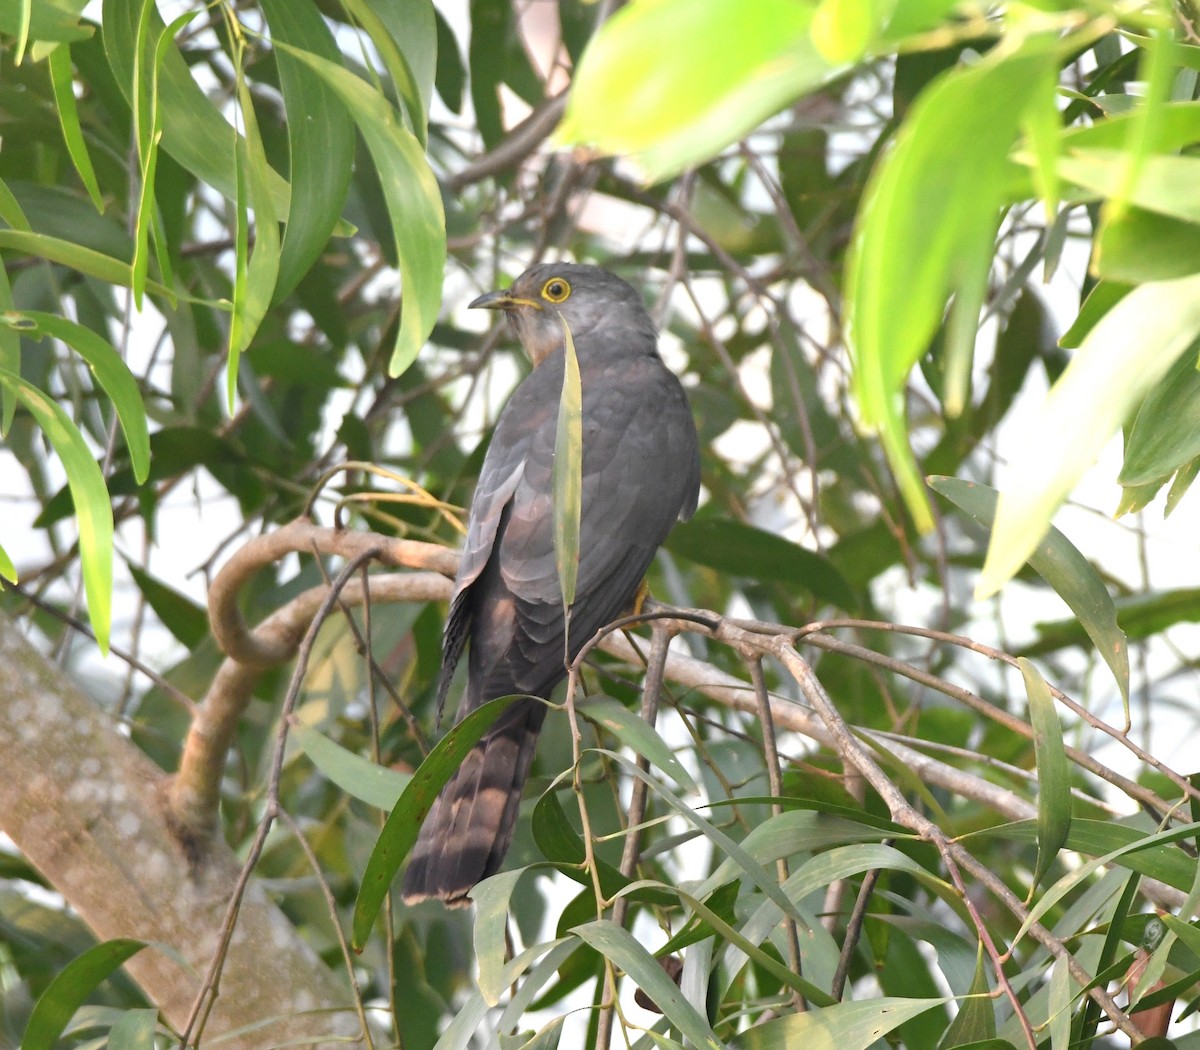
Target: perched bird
(641,472)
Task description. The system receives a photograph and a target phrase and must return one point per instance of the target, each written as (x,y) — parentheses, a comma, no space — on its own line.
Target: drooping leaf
(976,1018)
(62,81)
(93,510)
(111,373)
(637,734)
(568,474)
(254,282)
(320,140)
(413,199)
(195,132)
(922,193)
(1128,350)
(619,946)
(1053,770)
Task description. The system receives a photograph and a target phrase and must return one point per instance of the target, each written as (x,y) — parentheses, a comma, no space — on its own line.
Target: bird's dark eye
(556,290)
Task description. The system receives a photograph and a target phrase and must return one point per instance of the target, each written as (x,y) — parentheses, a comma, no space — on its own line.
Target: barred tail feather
(467,832)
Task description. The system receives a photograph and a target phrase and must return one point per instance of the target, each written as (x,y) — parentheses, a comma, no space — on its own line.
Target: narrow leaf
(1121,358)
(62,81)
(844,1026)
(413,199)
(111,373)
(374,784)
(1065,569)
(77,257)
(568,474)
(1053,769)
(1166,433)
(195,132)
(637,734)
(70,989)
(320,140)
(93,510)
(252,295)
(976,1017)
(404,822)
(619,946)
(492,898)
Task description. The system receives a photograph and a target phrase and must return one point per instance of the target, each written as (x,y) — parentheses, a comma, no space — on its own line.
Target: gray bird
(641,472)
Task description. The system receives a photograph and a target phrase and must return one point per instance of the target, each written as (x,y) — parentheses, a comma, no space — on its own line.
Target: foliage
(237,244)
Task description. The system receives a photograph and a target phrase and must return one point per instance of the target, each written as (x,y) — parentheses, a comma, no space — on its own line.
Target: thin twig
(660,641)
(775,783)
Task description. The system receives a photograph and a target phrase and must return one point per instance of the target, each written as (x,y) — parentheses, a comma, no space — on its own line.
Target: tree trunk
(85,806)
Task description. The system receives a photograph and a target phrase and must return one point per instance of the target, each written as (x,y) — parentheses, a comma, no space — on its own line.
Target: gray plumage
(641,472)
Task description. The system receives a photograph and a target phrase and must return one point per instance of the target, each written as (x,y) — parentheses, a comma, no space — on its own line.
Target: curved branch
(261,648)
(194,794)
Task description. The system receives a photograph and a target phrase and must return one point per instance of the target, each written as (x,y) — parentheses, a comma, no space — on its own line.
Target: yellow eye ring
(556,290)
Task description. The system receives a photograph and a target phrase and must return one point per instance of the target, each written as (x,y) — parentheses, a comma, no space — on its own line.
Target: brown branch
(195,790)
(953,854)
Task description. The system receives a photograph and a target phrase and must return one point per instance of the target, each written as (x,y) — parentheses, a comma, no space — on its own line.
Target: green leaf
(1053,772)
(134,1030)
(492,899)
(254,283)
(413,199)
(976,1017)
(77,257)
(195,132)
(10,353)
(743,550)
(1065,569)
(320,140)
(39,20)
(1165,184)
(922,193)
(62,81)
(404,822)
(7,569)
(1102,298)
(111,373)
(1166,431)
(727,68)
(1139,245)
(561,846)
(568,474)
(637,734)
(186,620)
(391,27)
(70,989)
(843,1026)
(89,494)
(619,946)
(843,29)
(1121,358)
(374,784)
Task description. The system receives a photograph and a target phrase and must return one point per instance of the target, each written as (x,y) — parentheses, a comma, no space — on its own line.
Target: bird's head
(587,297)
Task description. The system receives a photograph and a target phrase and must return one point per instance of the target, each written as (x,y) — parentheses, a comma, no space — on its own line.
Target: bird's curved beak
(501,300)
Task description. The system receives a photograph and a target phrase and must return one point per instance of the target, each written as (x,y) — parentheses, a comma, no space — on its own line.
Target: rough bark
(86,807)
